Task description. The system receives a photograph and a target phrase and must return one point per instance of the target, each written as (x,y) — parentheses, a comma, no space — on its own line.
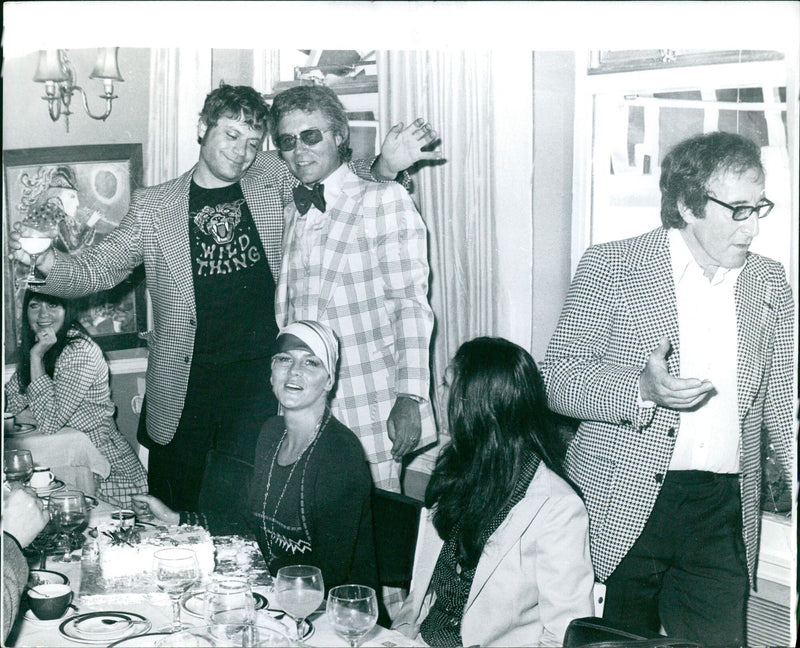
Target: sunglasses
(308,137)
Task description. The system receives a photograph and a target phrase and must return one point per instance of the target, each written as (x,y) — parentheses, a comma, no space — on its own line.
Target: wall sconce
(58,76)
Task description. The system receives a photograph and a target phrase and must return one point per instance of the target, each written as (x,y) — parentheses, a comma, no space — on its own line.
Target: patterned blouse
(78,396)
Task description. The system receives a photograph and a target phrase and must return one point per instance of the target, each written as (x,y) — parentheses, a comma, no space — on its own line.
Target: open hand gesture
(402,147)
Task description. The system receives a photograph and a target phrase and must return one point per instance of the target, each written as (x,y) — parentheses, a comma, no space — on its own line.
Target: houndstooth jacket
(371,281)
(620,303)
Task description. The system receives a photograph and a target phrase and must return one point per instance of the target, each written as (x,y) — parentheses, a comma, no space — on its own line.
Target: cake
(128,554)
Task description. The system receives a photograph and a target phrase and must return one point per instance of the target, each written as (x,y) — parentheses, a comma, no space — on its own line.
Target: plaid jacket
(372,290)
(620,303)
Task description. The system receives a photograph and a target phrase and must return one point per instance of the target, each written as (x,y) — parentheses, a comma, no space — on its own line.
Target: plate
(55,486)
(193,603)
(21,429)
(103,627)
(288,624)
(147,640)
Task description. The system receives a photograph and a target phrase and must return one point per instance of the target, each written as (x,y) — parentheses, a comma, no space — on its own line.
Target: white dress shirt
(708,438)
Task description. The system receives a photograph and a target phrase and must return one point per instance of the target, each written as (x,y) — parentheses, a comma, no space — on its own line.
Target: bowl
(49,601)
(46,577)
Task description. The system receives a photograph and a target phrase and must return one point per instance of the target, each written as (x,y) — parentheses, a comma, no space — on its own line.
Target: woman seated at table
(62,377)
(309,495)
(503,551)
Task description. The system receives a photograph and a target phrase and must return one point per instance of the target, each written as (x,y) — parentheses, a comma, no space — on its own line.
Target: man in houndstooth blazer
(668,458)
(231,131)
(358,262)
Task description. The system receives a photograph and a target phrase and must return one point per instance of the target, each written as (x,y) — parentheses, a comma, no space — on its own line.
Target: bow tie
(305,197)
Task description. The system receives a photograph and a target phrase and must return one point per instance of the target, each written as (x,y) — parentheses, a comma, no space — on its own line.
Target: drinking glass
(299,590)
(176,570)
(352,611)
(34,243)
(229,601)
(18,465)
(67,511)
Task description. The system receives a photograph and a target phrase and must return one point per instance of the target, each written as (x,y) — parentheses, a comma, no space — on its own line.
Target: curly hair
(498,415)
(309,99)
(67,334)
(689,166)
(236,102)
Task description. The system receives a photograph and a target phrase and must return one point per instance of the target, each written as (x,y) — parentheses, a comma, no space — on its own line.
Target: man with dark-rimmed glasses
(675,349)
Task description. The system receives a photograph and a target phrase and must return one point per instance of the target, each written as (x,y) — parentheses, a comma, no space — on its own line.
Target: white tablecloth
(28,633)
(69,453)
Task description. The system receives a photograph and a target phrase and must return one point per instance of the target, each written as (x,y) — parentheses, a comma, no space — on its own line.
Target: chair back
(395,520)
(595,632)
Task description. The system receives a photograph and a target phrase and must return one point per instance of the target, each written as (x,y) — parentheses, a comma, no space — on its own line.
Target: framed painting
(82,192)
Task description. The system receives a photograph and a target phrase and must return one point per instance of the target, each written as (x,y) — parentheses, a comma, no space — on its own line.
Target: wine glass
(299,590)
(34,242)
(17,465)
(176,570)
(67,511)
(229,604)
(352,611)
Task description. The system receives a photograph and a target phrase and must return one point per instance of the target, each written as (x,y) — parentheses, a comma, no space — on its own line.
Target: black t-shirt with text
(234,289)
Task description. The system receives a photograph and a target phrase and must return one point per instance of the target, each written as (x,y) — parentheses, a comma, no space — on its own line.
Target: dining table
(29,631)
(69,453)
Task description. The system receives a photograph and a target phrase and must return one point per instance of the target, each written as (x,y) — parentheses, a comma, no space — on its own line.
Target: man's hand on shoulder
(402,148)
(404,426)
(657,385)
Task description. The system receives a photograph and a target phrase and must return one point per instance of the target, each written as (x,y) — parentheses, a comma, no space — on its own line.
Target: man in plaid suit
(355,258)
(674,349)
(210,242)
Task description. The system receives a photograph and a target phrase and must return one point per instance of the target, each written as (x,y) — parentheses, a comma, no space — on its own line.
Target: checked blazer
(620,303)
(369,284)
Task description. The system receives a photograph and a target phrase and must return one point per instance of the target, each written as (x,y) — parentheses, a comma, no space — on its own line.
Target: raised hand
(657,385)
(402,148)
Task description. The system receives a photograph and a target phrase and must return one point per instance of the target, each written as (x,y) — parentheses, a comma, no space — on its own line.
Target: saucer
(30,617)
(53,487)
(20,429)
(103,627)
(193,603)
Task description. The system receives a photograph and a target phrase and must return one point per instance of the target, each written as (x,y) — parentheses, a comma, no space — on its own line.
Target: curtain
(180,79)
(452,90)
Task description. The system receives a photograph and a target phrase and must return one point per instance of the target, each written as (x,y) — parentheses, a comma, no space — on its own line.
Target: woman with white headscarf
(309,496)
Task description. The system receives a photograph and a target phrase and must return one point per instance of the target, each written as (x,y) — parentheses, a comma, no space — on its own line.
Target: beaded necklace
(307,451)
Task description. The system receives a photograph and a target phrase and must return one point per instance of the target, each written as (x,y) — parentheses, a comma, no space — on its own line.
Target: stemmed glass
(176,570)
(299,590)
(352,611)
(18,465)
(34,242)
(67,511)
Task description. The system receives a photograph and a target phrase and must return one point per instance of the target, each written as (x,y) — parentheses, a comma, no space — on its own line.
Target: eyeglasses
(308,137)
(743,212)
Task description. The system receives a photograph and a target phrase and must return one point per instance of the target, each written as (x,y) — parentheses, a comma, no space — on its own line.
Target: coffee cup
(125,518)
(8,423)
(49,601)
(42,477)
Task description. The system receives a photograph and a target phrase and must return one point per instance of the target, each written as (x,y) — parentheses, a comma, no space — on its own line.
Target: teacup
(8,423)
(125,518)
(49,601)
(42,477)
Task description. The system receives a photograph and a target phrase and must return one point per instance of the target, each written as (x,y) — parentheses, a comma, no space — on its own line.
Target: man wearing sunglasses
(675,349)
(210,242)
(355,258)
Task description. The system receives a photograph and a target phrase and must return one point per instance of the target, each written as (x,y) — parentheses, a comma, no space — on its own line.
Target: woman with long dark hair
(503,551)
(62,377)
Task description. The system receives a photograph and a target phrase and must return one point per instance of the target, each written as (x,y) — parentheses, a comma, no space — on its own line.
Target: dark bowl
(53,603)
(42,576)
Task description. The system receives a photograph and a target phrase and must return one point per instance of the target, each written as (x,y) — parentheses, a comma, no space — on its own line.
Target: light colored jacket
(621,302)
(372,279)
(533,577)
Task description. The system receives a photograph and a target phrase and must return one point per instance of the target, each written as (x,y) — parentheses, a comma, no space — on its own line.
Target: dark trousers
(224,410)
(687,570)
